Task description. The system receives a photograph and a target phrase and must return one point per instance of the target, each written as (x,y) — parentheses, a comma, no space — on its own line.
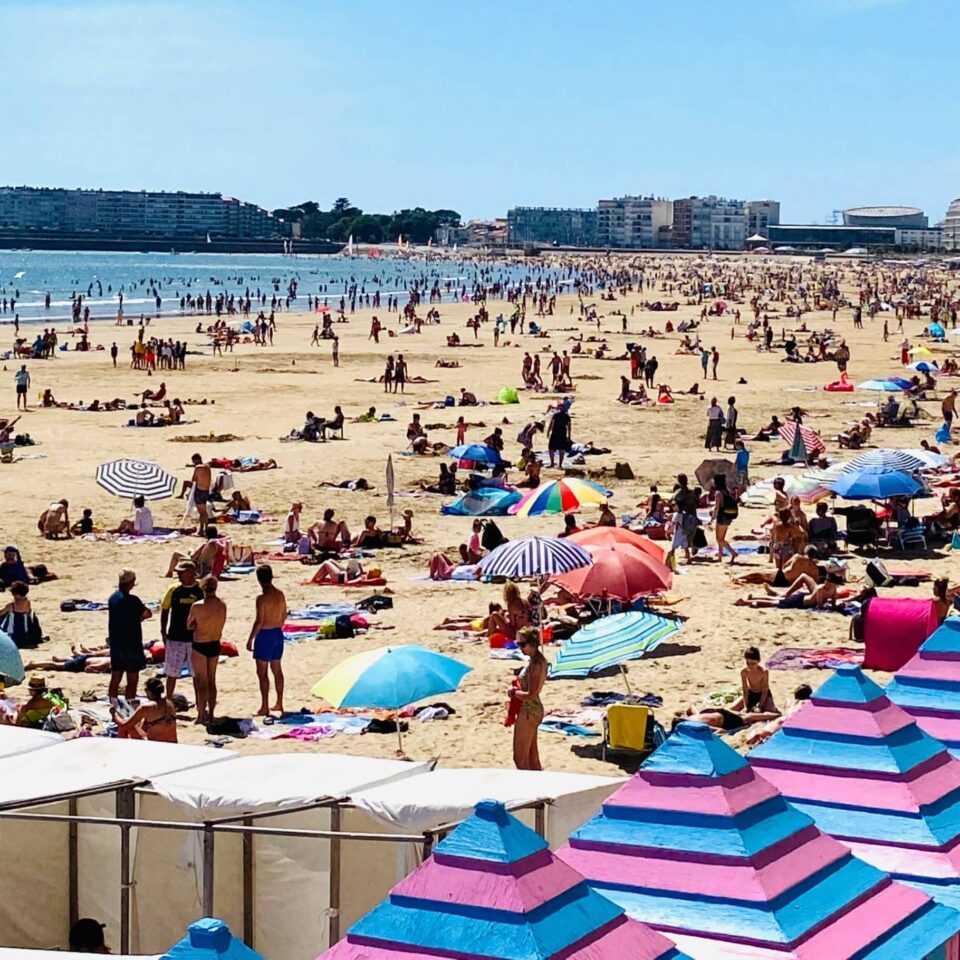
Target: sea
(28,276)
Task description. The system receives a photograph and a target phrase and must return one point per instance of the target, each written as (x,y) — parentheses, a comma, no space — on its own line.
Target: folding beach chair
(628,727)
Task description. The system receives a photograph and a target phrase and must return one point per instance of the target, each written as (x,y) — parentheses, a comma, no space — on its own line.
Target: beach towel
(807,658)
(322,611)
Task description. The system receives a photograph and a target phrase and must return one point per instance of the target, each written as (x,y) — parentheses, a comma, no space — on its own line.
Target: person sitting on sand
(800,564)
(467,399)
(532,469)
(446,483)
(803,594)
(155,720)
(332,572)
(755,696)
(84,525)
(607,517)
(369,417)
(13,569)
(144,417)
(142,523)
(416,435)
(771,430)
(800,696)
(234,505)
(204,557)
(33,712)
(404,533)
(823,531)
(291,526)
(328,535)
(371,536)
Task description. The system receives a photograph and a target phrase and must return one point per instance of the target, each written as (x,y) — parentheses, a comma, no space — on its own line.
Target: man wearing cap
(176,635)
(126,613)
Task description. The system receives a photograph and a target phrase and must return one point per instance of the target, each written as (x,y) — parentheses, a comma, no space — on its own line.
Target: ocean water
(26,276)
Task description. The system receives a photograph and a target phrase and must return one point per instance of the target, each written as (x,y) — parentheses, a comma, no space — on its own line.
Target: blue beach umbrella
(875,483)
(485,502)
(11,664)
(889,385)
(478,453)
(611,641)
(210,939)
(924,366)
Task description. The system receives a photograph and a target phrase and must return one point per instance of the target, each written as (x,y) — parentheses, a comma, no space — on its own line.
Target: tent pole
(74,863)
(208,839)
(399,744)
(126,810)
(248,884)
(540,819)
(334,911)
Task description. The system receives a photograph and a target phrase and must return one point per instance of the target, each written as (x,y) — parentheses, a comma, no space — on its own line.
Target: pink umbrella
(811,439)
(619,572)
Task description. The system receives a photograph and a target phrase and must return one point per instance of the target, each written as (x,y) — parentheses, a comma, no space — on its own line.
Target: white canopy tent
(75,868)
(15,740)
(284,892)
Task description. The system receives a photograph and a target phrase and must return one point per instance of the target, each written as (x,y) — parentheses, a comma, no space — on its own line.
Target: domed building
(897,217)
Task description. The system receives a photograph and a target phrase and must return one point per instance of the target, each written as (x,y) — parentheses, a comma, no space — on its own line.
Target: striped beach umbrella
(534,557)
(863,770)
(11,663)
(762,493)
(610,641)
(566,495)
(811,439)
(887,459)
(133,478)
(698,843)
(493,889)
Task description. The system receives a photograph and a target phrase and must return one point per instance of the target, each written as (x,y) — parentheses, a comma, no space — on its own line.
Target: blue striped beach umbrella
(11,664)
(535,557)
(887,459)
(610,641)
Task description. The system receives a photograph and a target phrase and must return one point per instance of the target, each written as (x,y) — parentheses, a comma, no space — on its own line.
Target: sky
(478,107)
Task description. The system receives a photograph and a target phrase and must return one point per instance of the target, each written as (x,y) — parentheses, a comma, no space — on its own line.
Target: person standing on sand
(206,620)
(201,480)
(266,639)
(113,352)
(177,637)
(22,379)
(126,614)
(714,360)
(525,692)
(336,351)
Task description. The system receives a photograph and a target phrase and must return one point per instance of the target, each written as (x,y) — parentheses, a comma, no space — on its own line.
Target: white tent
(74,869)
(14,740)
(279,891)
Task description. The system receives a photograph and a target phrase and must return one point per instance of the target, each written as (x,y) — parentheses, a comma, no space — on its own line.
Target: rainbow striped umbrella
(565,495)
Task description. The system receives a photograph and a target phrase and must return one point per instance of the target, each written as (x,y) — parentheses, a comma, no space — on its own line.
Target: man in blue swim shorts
(266,639)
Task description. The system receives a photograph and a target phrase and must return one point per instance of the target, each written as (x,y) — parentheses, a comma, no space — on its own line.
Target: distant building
(903,217)
(126,213)
(761,214)
(632,222)
(919,238)
(816,237)
(477,233)
(564,226)
(951,227)
(713,223)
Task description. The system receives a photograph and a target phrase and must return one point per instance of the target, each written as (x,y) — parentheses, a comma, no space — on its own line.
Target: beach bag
(943,434)
(343,627)
(491,538)
(699,539)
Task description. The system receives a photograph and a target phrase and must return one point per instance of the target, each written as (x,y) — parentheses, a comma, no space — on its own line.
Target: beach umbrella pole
(626,681)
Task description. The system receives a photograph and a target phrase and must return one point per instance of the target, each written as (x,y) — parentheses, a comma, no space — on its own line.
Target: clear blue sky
(821,104)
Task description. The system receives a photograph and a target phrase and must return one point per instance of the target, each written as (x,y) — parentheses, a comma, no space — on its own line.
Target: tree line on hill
(344,220)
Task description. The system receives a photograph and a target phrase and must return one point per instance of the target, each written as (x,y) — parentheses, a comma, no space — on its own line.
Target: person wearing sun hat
(35,710)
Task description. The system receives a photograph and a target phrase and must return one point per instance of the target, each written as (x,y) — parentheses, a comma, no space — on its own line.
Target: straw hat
(37,684)
(408,513)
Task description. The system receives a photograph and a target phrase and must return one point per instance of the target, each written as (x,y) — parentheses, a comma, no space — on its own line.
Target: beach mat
(806,658)
(369,582)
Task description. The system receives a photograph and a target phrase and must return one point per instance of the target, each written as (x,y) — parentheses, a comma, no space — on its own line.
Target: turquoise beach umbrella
(210,939)
(11,664)
(611,641)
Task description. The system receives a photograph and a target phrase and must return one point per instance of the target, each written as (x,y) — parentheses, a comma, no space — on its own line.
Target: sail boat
(208,239)
(350,246)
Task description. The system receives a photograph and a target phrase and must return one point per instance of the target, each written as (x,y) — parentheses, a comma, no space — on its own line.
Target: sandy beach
(260,393)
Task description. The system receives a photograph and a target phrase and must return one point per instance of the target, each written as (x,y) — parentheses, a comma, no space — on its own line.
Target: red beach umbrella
(618,572)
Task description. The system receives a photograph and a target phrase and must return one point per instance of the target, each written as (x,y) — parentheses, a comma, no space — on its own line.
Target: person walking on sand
(22,380)
(206,620)
(201,481)
(335,353)
(714,360)
(266,639)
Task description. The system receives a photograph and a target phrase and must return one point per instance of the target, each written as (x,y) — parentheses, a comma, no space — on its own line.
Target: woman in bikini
(156,720)
(526,754)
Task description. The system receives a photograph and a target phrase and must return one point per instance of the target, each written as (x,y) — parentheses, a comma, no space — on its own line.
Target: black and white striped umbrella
(535,557)
(889,459)
(133,478)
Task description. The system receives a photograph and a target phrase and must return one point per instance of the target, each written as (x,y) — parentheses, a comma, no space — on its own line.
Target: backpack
(343,627)
(491,537)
